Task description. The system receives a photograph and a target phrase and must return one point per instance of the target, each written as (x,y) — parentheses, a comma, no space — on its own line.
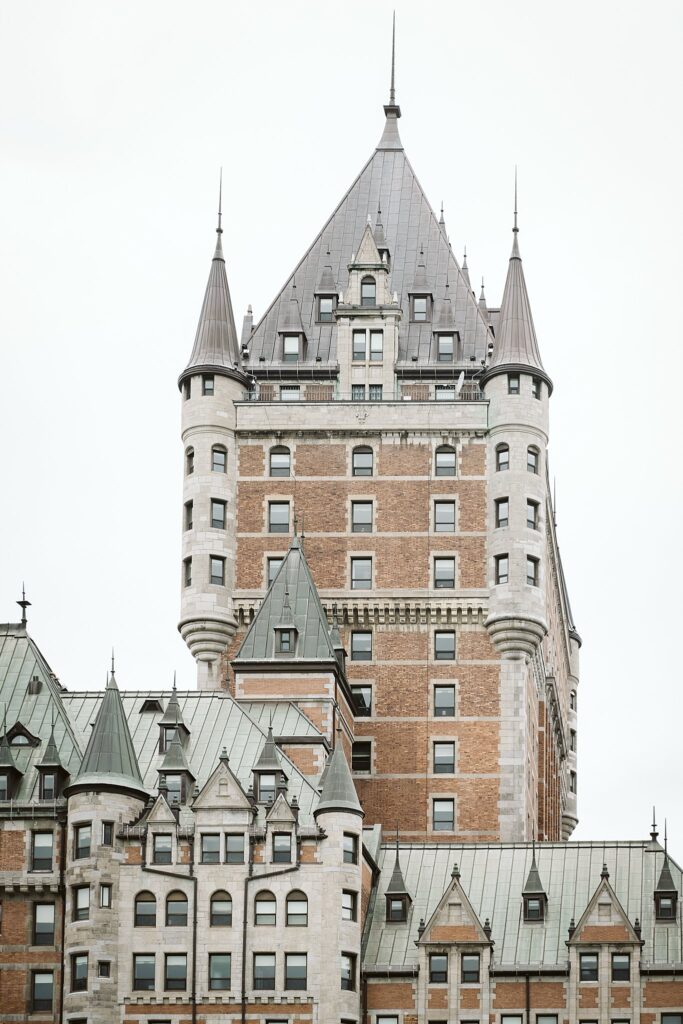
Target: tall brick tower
(405,424)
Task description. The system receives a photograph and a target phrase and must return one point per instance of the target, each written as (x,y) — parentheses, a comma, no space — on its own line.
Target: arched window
(221,909)
(265,908)
(533,459)
(502,457)
(280,461)
(19,740)
(572,700)
(145,910)
(362,462)
(368,292)
(189,461)
(176,909)
(297,909)
(219,459)
(445,461)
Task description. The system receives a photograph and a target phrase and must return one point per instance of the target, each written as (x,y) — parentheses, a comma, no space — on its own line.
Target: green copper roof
(534,886)
(174,759)
(110,757)
(339,792)
(666,882)
(291,595)
(268,760)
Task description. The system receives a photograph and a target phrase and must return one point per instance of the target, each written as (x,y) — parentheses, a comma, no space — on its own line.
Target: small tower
(210,385)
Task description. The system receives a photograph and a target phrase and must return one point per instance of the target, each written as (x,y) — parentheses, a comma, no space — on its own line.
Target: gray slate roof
(110,756)
(493,877)
(409,223)
(293,582)
(338,792)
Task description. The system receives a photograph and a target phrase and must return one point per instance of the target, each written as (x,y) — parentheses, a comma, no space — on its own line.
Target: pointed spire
(420,285)
(444,319)
(390,137)
(654,834)
(666,882)
(23,604)
(533,886)
(392,89)
(465,269)
(290,321)
(397,885)
(483,308)
(175,759)
(442,222)
(338,792)
(216,348)
(51,758)
(380,240)
(268,759)
(109,759)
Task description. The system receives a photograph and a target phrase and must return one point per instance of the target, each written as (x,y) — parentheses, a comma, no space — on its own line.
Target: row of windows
(470,968)
(502,570)
(362,459)
(533,458)
(230,847)
(502,513)
(517,1018)
(443,705)
(219,459)
(443,757)
(216,571)
(218,514)
(444,645)
(208,386)
(514,385)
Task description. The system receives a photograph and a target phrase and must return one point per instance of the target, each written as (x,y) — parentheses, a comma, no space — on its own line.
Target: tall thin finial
(296,523)
(112,661)
(666,841)
(392,90)
(654,833)
(219,229)
(174,679)
(23,604)
(303,530)
(396,840)
(515,228)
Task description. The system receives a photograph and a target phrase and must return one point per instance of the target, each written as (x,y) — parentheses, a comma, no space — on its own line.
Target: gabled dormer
(666,894)
(326,296)
(455,920)
(10,775)
(446,336)
(380,240)
(369,285)
(533,894)
(171,723)
(291,333)
(286,631)
(604,920)
(19,736)
(269,777)
(421,294)
(176,778)
(398,899)
(52,775)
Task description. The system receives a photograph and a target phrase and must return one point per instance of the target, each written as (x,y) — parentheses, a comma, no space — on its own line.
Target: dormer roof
(338,792)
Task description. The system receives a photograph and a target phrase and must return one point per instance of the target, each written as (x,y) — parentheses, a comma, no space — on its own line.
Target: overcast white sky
(115,118)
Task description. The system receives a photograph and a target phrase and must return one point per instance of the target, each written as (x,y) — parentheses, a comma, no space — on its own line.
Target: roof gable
(604,919)
(160,813)
(222,790)
(454,919)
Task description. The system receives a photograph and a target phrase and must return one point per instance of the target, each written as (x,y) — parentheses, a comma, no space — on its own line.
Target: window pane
(348,972)
(42,847)
(532,571)
(82,835)
(501,568)
(297,910)
(513,383)
(361,756)
(278,517)
(502,457)
(445,348)
(445,462)
(532,515)
(265,909)
(470,967)
(282,847)
(375,393)
(264,970)
(234,849)
(358,392)
(291,348)
(217,570)
(532,460)
(444,758)
(361,517)
(361,573)
(82,903)
(362,462)
(176,910)
(273,566)
(349,903)
(438,967)
(290,393)
(362,697)
(368,292)
(376,345)
(145,910)
(359,346)
(361,646)
(325,309)
(207,384)
(176,971)
(444,646)
(502,512)
(444,516)
(443,815)
(295,970)
(279,462)
(43,924)
(219,971)
(42,987)
(444,573)
(444,701)
(143,972)
(350,848)
(420,308)
(187,572)
(211,849)
(218,460)
(221,909)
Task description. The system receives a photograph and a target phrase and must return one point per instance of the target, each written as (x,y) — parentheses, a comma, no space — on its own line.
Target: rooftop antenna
(23,604)
(654,833)
(112,661)
(219,229)
(515,228)
(392,89)
(666,842)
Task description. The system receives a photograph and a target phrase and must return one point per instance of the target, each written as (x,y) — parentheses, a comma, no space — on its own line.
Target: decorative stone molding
(516,636)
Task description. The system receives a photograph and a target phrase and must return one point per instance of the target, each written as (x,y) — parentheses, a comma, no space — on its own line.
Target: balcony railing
(328,393)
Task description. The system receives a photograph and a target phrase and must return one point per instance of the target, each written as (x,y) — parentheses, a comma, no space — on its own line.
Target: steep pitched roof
(666,882)
(110,758)
(174,758)
(338,792)
(293,582)
(533,885)
(397,885)
(268,759)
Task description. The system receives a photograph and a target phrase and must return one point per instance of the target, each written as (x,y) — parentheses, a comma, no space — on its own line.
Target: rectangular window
(219,971)
(186,389)
(420,308)
(349,905)
(358,392)
(572,739)
(361,646)
(361,517)
(444,462)
(361,756)
(81,903)
(502,512)
(502,457)
(207,384)
(588,967)
(513,383)
(234,849)
(444,645)
(47,783)
(282,848)
(444,393)
(297,911)
(295,971)
(162,848)
(42,990)
(325,309)
(175,972)
(368,292)
(350,848)
(348,972)
(273,566)
(444,701)
(361,573)
(105,896)
(375,393)
(572,782)
(210,849)
(264,971)
(42,851)
(438,968)
(444,517)
(359,346)
(107,833)
(187,572)
(216,570)
(217,514)
(445,348)
(532,565)
(444,758)
(532,460)
(443,815)
(672,1018)
(290,348)
(533,909)
(79,972)
(284,641)
(362,699)
(621,967)
(43,924)
(265,787)
(376,346)
(501,565)
(444,573)
(143,972)
(532,514)
(470,967)
(278,517)
(82,839)
(536,387)
(546,1018)
(219,458)
(290,393)
(104,969)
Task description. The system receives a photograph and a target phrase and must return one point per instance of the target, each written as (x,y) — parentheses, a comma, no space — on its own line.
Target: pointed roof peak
(175,758)
(442,222)
(390,137)
(109,759)
(533,885)
(515,228)
(338,792)
(397,885)
(268,759)
(23,604)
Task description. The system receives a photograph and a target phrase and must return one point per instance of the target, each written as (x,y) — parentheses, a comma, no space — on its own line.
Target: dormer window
(445,348)
(207,384)
(290,348)
(4,786)
(48,785)
(420,309)
(19,740)
(285,641)
(368,292)
(326,305)
(266,788)
(665,906)
(166,737)
(534,907)
(397,909)
(176,789)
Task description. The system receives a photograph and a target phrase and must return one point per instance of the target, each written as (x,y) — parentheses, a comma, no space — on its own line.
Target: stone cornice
(410,608)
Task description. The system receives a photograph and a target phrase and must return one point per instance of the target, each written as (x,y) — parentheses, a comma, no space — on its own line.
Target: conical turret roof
(175,759)
(339,792)
(109,759)
(269,759)
(533,886)
(666,882)
(290,321)
(397,885)
(51,758)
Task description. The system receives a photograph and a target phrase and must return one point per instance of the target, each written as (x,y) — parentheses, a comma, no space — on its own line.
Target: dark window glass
(48,786)
(278,517)
(143,972)
(362,698)
(187,572)
(397,908)
(501,565)
(234,849)
(350,848)
(502,457)
(42,990)
(325,309)
(295,971)
(665,906)
(284,640)
(621,967)
(264,971)
(175,789)
(79,972)
(176,910)
(532,514)
(42,849)
(189,522)
(107,833)
(588,966)
(290,348)
(219,971)
(145,910)
(349,905)
(273,566)
(221,909)
(105,895)
(375,393)
(533,908)
(444,645)
(444,464)
(532,571)
(572,700)
(81,903)
(420,308)
(358,392)
(216,570)
(444,573)
(438,968)
(280,462)
(513,383)
(43,924)
(444,701)
(444,758)
(210,849)
(348,972)
(186,389)
(217,514)
(572,782)
(359,346)
(162,848)
(445,348)
(4,786)
(470,967)
(536,387)
(219,458)
(361,573)
(104,969)
(368,292)
(207,384)
(189,461)
(502,511)
(572,739)
(376,349)
(175,973)
(444,516)
(361,756)
(443,815)
(532,460)
(361,646)
(82,839)
(672,1018)
(361,517)
(362,462)
(297,909)
(282,848)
